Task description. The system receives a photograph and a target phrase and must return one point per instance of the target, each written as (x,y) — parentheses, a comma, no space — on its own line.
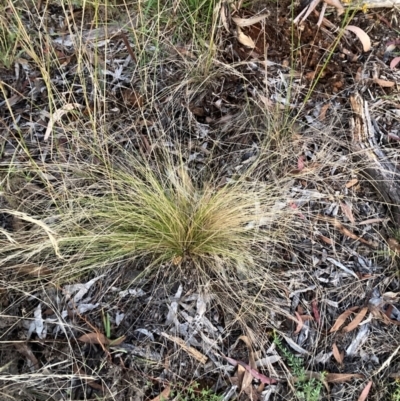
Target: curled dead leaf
(394,62)
(249,21)
(394,245)
(94,338)
(383,83)
(356,321)
(346,209)
(351,183)
(322,113)
(244,39)
(342,318)
(362,35)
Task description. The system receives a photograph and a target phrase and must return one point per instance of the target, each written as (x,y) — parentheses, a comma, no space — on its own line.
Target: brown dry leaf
(94,338)
(305,318)
(247,376)
(394,62)
(244,39)
(371,221)
(394,245)
(364,38)
(339,356)
(342,377)
(388,311)
(346,209)
(249,21)
(383,83)
(322,113)
(325,239)
(247,341)
(342,318)
(254,372)
(356,321)
(190,350)
(364,394)
(315,311)
(351,183)
(163,395)
(345,231)
(350,234)
(299,324)
(378,313)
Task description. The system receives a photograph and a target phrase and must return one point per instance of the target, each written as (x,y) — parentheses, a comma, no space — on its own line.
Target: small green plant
(193,393)
(8,42)
(187,20)
(307,389)
(395,396)
(106,324)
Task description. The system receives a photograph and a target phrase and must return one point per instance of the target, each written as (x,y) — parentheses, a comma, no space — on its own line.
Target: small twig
(128,46)
(307,11)
(321,15)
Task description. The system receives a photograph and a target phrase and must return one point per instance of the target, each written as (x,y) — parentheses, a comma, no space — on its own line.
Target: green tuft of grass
(152,210)
(193,393)
(9,39)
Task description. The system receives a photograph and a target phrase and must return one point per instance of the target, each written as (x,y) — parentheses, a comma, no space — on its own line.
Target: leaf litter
(332,267)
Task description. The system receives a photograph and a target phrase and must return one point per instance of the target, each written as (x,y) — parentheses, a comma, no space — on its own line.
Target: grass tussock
(154,211)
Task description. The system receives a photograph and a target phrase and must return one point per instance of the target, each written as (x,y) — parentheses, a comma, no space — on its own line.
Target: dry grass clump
(153,210)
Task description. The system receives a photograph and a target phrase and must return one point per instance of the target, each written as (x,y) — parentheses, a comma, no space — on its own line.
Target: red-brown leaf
(342,377)
(364,394)
(337,354)
(163,395)
(342,318)
(356,321)
(315,311)
(347,212)
(94,338)
(299,323)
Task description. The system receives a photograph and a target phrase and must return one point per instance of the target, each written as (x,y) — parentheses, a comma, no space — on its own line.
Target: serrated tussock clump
(153,211)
